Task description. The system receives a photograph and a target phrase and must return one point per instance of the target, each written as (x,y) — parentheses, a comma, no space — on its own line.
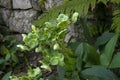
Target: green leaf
(7,75)
(63,20)
(56,46)
(14,78)
(115,61)
(92,56)
(2,60)
(1,72)
(99,73)
(14,57)
(34,72)
(75,76)
(4,50)
(38,49)
(7,57)
(45,66)
(79,52)
(103,38)
(22,47)
(79,49)
(54,60)
(61,72)
(106,56)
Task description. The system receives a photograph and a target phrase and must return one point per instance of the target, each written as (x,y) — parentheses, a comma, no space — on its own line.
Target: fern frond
(116,21)
(68,7)
(116,1)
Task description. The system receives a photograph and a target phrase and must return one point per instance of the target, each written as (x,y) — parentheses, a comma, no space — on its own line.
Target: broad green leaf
(98,72)
(14,57)
(7,57)
(103,38)
(106,56)
(4,50)
(7,75)
(92,56)
(61,72)
(79,52)
(115,61)
(1,72)
(80,49)
(74,45)
(2,60)
(75,76)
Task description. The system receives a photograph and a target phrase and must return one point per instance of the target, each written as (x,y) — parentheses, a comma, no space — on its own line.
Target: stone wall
(18,15)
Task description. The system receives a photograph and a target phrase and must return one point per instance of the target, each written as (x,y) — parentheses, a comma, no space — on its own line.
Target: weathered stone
(21,4)
(50,3)
(5,14)
(18,37)
(6,3)
(35,5)
(75,34)
(20,21)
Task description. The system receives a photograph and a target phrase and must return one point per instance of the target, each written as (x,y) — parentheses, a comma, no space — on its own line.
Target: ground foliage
(75,60)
